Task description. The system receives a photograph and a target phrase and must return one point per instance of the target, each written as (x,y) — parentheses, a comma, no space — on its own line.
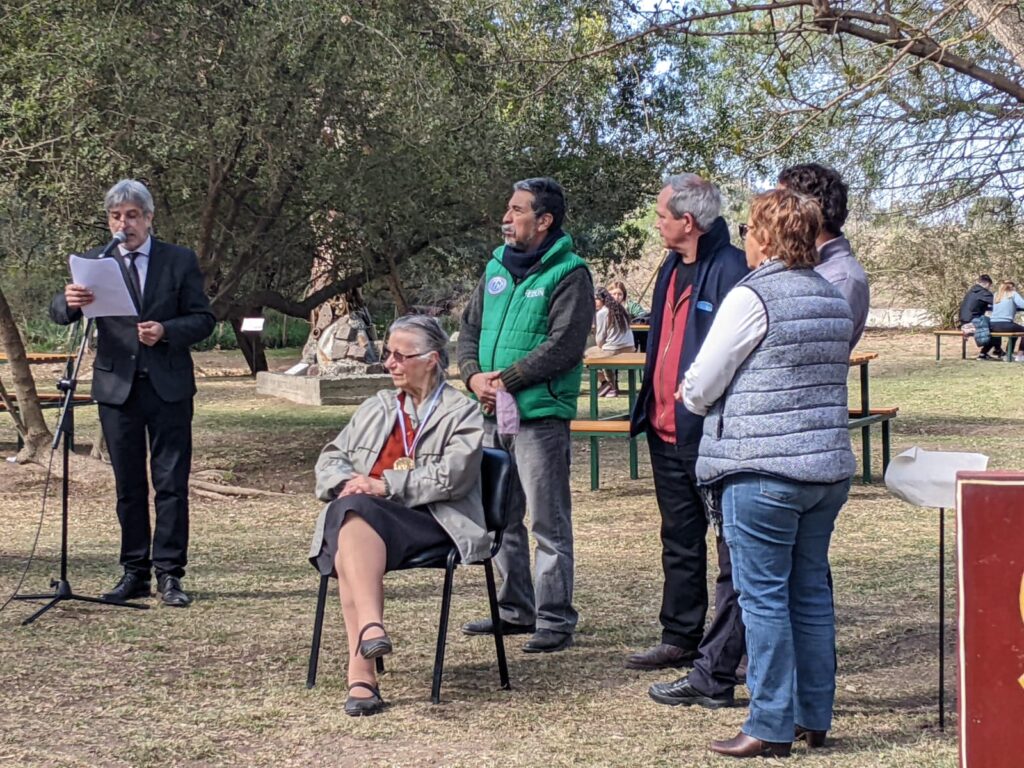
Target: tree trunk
(32,427)
(1006,26)
(395,286)
(252,347)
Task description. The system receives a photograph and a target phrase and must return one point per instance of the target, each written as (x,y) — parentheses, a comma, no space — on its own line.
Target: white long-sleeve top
(610,339)
(739,326)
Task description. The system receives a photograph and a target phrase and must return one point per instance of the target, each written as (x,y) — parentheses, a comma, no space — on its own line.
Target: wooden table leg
(595,457)
(634,469)
(865,432)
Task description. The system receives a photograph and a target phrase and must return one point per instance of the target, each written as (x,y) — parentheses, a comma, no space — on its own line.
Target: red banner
(990,545)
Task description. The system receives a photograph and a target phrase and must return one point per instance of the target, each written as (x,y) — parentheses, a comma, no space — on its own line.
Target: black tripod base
(62,591)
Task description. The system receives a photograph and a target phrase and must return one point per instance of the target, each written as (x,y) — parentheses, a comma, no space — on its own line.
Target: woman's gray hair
(696,196)
(129,191)
(431,334)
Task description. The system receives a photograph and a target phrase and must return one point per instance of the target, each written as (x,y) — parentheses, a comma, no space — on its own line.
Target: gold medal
(404,464)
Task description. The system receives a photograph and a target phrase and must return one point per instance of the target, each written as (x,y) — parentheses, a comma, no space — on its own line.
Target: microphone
(119,237)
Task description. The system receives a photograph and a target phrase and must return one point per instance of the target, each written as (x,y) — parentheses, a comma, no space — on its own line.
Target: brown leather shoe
(743,745)
(661,656)
(814,739)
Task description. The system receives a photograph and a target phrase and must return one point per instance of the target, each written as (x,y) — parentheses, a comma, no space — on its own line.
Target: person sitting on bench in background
(978,301)
(1006,304)
(612,337)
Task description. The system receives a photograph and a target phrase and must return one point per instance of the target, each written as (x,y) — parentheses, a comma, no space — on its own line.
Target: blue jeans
(778,532)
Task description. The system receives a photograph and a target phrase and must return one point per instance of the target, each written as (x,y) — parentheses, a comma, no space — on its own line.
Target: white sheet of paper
(928,478)
(252,324)
(106,281)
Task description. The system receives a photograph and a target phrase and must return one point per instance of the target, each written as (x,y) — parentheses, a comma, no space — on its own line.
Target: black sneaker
(681,692)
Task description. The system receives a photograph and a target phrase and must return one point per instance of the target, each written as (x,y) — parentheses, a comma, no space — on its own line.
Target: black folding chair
(496,482)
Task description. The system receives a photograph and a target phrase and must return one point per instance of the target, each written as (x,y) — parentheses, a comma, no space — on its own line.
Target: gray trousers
(542,452)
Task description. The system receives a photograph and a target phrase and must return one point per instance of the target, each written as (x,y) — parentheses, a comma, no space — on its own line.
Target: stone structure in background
(342,340)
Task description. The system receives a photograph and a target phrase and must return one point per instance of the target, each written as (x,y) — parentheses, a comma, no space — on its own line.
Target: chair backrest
(496,482)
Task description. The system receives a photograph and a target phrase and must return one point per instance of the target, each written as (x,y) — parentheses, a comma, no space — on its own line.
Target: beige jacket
(447,474)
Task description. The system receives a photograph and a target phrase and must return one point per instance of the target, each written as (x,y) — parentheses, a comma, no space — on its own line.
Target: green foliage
(931,266)
(277,134)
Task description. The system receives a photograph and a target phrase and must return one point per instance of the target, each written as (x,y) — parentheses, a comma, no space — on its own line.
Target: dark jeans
(725,642)
(168,427)
(684,527)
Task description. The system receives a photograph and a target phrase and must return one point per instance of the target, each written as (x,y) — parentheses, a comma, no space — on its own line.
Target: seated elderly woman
(770,380)
(401,478)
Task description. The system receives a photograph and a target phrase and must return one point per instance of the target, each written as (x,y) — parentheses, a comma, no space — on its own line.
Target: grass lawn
(222,683)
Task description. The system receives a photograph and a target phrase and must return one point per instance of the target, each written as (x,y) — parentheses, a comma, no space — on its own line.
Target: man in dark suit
(144,385)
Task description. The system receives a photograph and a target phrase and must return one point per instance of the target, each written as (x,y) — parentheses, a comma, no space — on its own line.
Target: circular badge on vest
(496,285)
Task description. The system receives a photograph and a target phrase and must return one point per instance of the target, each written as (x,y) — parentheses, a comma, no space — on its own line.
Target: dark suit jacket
(720,265)
(174,296)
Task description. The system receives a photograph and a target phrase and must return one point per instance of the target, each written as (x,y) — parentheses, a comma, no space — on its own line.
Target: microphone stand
(66,429)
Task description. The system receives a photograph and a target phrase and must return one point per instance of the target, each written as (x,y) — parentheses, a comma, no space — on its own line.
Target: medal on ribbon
(408,462)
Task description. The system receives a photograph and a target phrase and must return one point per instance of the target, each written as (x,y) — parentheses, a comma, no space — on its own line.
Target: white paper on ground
(106,281)
(928,478)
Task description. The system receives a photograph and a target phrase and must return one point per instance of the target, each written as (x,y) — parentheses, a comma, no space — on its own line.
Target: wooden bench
(595,428)
(882,416)
(1010,336)
(47,402)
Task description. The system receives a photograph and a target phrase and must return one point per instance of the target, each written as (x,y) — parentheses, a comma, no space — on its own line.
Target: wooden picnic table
(39,358)
(634,362)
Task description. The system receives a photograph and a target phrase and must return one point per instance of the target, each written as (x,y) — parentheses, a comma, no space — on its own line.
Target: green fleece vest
(515,322)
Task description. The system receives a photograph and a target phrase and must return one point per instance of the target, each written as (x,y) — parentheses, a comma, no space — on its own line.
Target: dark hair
(548,197)
(618,318)
(826,186)
(985,279)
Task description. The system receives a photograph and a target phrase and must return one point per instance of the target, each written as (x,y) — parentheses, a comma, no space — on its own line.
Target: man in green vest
(524,331)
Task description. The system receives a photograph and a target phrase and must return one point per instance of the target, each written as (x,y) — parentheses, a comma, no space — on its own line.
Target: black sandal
(371,705)
(375,646)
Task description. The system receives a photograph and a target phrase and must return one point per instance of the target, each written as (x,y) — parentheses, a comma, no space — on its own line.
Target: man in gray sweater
(837,263)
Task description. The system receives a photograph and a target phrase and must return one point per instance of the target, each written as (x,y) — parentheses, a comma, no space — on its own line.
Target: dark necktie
(133,273)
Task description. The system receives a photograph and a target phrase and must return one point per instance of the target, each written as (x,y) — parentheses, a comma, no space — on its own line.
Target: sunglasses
(398,357)
(743,229)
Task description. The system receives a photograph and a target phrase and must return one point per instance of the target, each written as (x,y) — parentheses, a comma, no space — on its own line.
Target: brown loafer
(663,656)
(743,745)
(814,739)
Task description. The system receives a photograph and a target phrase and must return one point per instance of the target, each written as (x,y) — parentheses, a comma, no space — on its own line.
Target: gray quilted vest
(785,412)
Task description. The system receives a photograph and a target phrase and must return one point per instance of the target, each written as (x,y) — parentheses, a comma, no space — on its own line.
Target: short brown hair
(792,221)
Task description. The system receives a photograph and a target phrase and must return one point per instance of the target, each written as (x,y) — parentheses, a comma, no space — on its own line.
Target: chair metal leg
(442,629)
(499,639)
(318,627)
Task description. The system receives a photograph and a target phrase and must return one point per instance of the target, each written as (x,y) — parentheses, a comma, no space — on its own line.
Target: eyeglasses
(398,357)
(743,229)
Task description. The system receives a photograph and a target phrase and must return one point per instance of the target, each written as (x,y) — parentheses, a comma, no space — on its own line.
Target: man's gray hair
(431,334)
(129,191)
(696,196)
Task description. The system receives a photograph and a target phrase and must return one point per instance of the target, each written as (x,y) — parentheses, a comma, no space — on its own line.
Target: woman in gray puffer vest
(771,379)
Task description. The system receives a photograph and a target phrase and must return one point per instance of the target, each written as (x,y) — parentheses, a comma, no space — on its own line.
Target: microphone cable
(42,511)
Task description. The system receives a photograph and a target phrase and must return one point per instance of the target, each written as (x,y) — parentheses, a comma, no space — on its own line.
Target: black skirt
(406,531)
